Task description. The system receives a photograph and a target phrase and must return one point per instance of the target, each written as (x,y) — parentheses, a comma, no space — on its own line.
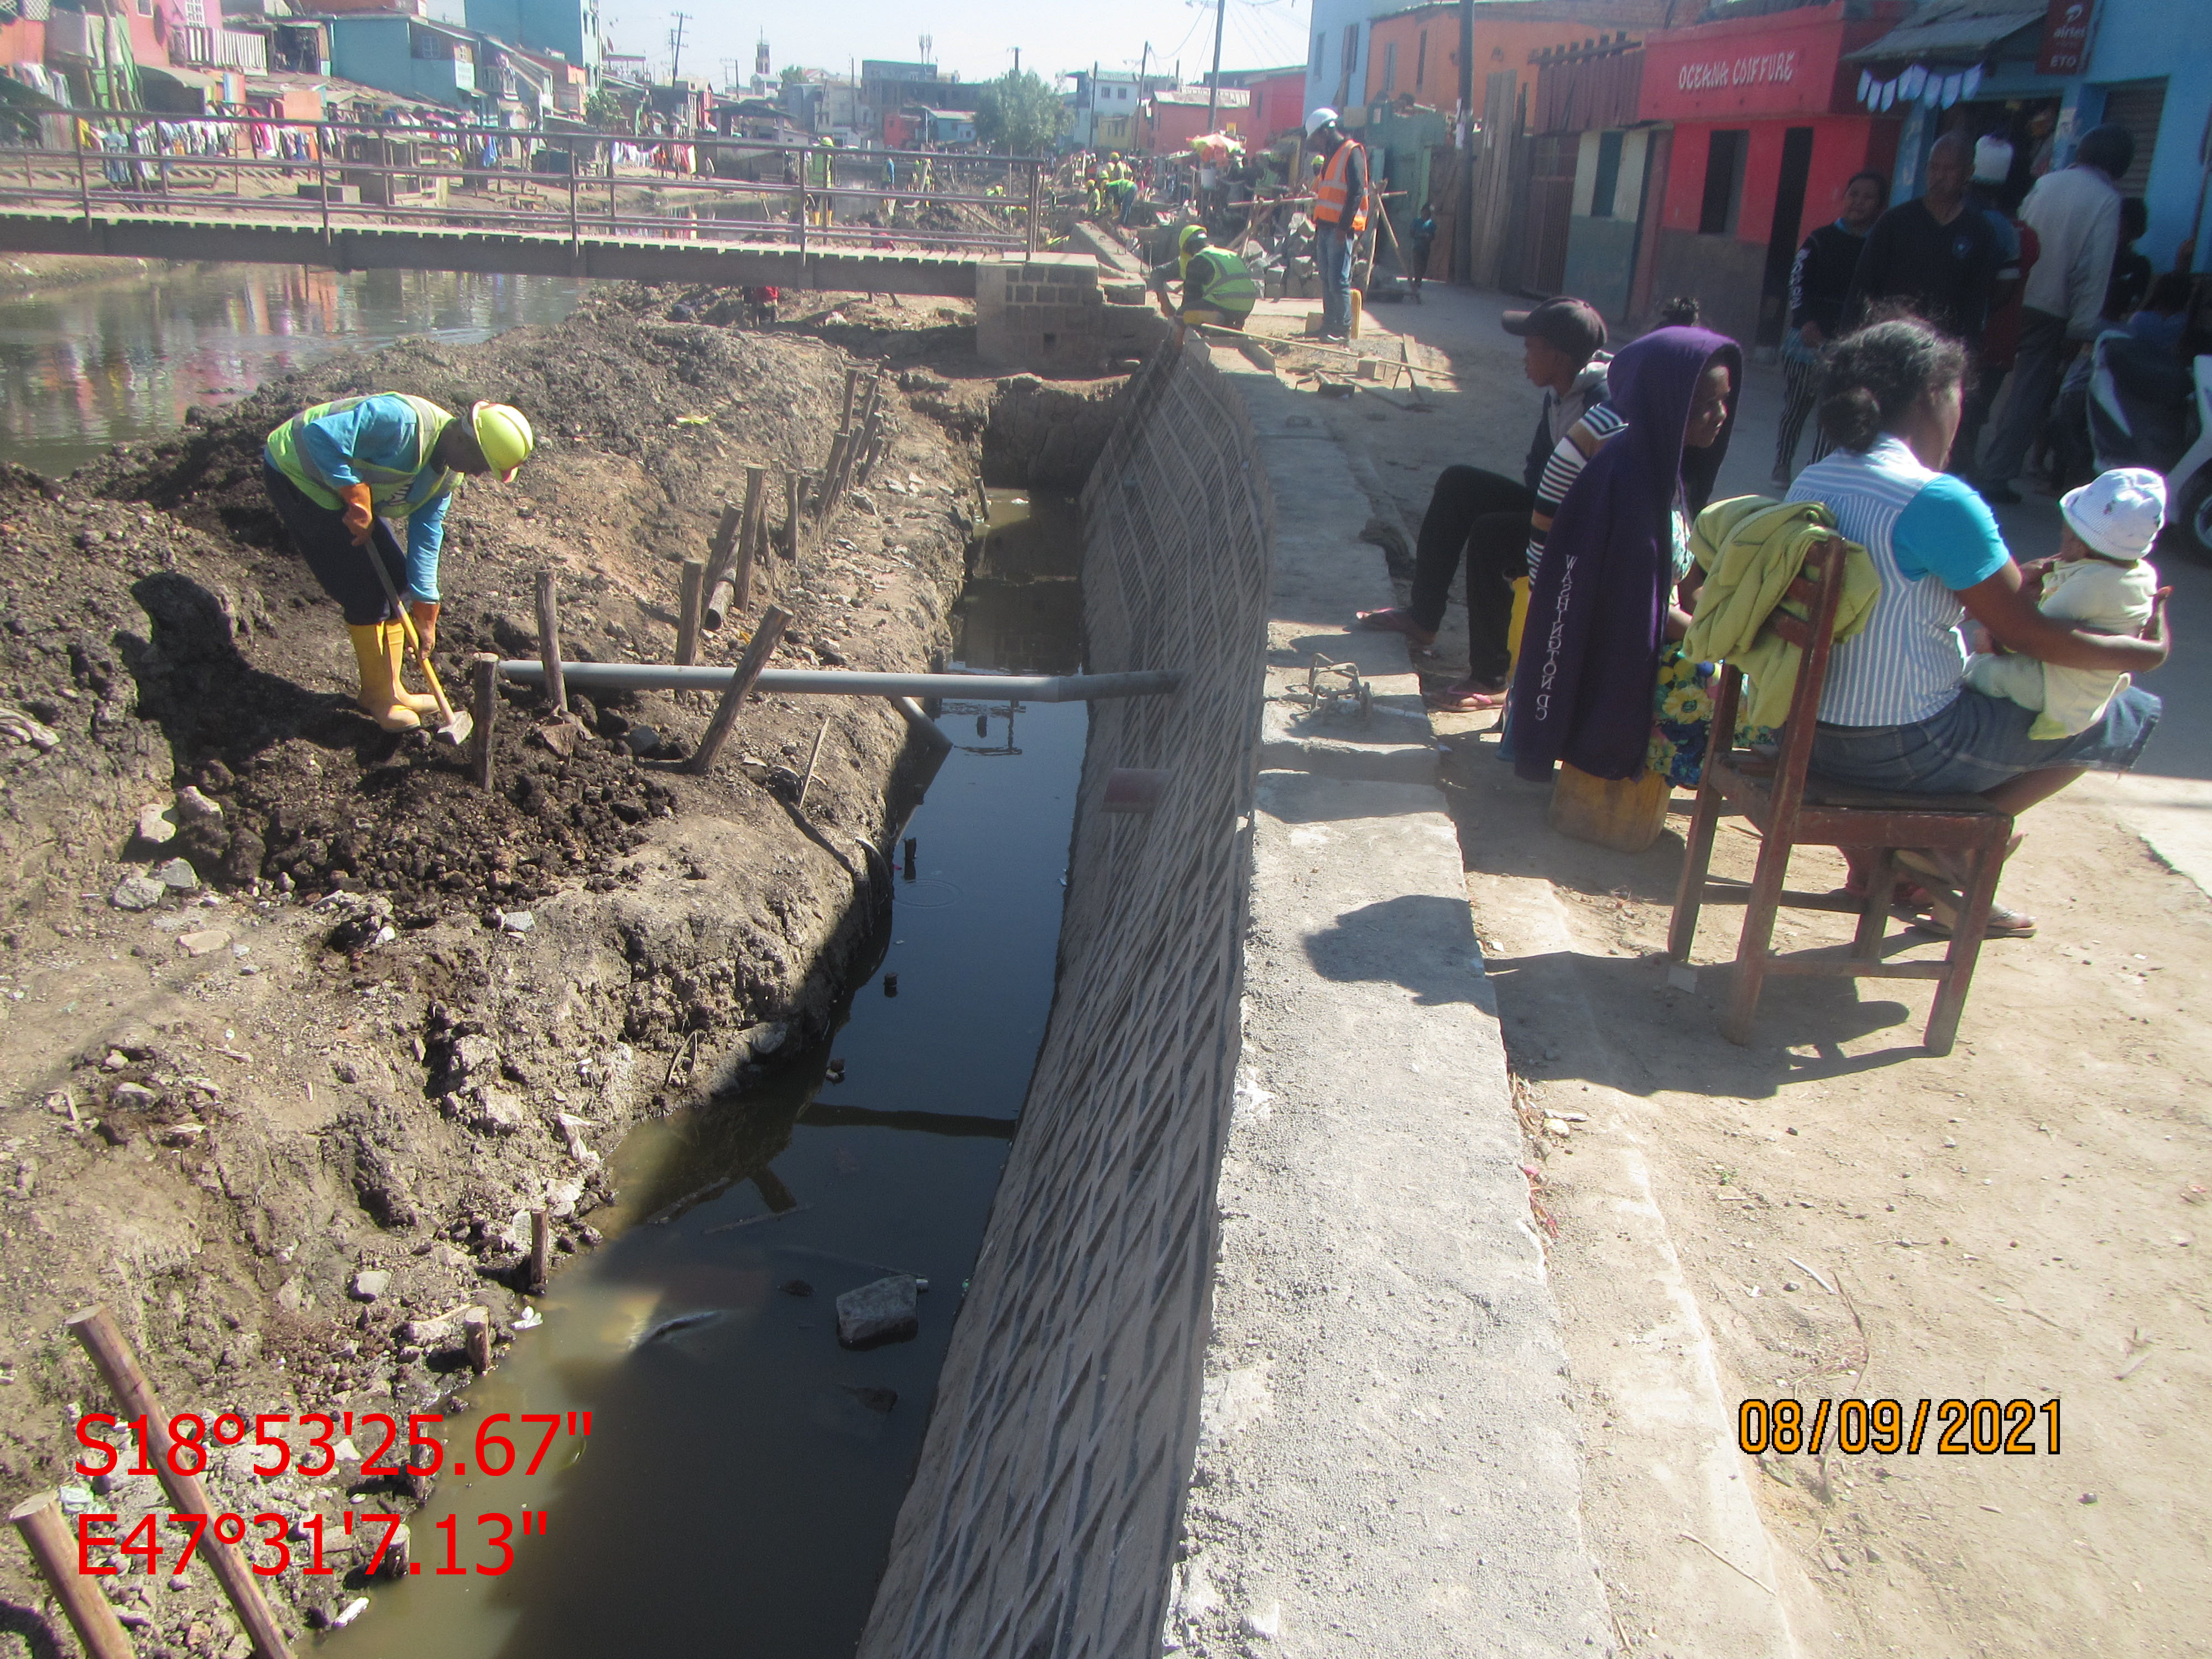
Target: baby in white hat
(2101,583)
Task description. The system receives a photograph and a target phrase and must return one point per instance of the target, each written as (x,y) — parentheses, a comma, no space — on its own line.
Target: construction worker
(1217,286)
(1339,215)
(336,471)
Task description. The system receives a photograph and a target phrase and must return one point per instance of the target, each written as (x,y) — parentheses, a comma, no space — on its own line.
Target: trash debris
(516,922)
(351,1610)
(528,1319)
(883,1311)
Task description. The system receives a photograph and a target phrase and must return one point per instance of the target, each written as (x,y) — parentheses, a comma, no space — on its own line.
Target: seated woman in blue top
(1895,714)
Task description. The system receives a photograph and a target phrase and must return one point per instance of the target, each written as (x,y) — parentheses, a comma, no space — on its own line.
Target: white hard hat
(1318,118)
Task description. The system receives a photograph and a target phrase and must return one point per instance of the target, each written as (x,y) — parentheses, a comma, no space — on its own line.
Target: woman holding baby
(1905,709)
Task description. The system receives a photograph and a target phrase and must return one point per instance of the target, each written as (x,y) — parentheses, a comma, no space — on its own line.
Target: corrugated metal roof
(1962,30)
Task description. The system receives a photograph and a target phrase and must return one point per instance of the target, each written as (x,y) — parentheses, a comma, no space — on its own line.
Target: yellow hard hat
(503,433)
(1192,238)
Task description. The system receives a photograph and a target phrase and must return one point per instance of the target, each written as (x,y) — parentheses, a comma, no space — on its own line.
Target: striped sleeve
(1568,457)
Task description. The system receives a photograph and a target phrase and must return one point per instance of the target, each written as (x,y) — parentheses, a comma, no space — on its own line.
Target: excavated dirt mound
(355,1014)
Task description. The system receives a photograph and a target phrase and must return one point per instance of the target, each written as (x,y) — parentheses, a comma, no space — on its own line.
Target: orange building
(1416,51)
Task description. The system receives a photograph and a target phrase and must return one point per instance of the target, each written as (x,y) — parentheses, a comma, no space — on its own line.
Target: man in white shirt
(2076,214)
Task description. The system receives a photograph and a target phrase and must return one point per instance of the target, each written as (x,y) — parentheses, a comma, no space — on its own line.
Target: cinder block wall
(1052,314)
(1043,1515)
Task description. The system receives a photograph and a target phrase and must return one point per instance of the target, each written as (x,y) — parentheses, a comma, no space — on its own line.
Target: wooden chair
(1791,808)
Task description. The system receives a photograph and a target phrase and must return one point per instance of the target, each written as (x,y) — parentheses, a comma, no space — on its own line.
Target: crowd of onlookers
(1598,581)
(2025,290)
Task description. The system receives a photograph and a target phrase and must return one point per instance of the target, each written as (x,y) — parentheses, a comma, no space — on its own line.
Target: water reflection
(84,367)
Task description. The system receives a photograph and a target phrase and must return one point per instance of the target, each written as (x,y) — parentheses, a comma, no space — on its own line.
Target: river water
(87,366)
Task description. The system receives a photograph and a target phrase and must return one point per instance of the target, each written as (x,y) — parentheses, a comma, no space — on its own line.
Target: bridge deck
(286,241)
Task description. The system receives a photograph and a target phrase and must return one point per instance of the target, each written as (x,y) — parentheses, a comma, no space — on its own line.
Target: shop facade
(1765,130)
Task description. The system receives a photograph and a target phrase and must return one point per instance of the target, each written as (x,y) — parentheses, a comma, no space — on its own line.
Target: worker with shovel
(336,473)
(1218,288)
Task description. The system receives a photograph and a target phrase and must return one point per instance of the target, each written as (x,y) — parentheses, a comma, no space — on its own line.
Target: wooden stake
(694,603)
(793,492)
(726,538)
(749,535)
(549,643)
(94,1326)
(773,622)
(541,1251)
(476,1337)
(852,383)
(484,680)
(825,500)
(807,782)
(39,1518)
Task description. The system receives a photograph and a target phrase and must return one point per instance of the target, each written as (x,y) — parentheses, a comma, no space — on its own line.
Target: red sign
(2065,48)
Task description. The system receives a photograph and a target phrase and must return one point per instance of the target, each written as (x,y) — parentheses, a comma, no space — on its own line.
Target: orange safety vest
(1329,192)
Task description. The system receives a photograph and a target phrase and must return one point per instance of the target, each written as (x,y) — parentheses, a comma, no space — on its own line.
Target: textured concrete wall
(1061,314)
(1043,1517)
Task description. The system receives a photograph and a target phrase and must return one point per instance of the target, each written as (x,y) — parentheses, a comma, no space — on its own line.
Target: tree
(1018,115)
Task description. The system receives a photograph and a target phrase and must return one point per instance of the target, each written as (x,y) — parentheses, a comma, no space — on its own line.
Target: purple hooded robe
(1589,657)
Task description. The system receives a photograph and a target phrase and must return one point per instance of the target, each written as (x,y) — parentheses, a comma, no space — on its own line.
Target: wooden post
(95,1328)
(793,494)
(483,678)
(541,1251)
(549,643)
(749,534)
(812,760)
(773,622)
(39,1518)
(476,1337)
(852,385)
(688,617)
(726,538)
(825,500)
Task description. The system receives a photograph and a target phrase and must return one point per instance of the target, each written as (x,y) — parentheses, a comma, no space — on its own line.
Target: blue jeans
(1333,262)
(1976,743)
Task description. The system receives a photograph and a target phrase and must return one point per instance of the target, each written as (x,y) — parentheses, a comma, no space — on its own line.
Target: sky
(975,37)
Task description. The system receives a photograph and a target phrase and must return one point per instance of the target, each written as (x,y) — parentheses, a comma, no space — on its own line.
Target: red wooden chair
(1791,808)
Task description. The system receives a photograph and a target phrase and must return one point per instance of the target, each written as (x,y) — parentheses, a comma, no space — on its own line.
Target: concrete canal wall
(1043,1517)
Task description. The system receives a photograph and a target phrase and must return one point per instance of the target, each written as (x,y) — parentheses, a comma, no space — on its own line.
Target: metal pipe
(827,682)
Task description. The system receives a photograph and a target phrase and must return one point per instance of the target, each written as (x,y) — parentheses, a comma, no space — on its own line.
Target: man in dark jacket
(1562,344)
(1937,254)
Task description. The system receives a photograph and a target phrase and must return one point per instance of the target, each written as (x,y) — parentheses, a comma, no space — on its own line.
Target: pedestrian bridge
(454,197)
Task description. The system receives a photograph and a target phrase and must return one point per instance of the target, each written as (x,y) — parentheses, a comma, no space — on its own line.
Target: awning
(1963,32)
(167,90)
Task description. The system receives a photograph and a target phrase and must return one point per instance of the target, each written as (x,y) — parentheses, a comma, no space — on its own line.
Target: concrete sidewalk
(1387,1464)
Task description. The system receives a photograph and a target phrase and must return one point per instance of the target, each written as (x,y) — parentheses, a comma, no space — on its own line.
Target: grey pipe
(825,682)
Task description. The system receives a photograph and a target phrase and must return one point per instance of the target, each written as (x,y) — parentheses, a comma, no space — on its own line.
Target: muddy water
(737,1490)
(83,367)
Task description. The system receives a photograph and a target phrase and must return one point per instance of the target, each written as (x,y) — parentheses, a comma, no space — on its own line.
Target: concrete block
(883,1311)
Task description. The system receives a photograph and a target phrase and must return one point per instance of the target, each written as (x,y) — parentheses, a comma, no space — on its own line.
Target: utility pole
(1463,232)
(1017,61)
(1213,93)
(676,45)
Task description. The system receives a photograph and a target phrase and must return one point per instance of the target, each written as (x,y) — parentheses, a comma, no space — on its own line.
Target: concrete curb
(1387,1463)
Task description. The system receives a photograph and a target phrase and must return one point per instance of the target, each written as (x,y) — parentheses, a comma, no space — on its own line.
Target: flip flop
(1463,697)
(1396,620)
(1942,919)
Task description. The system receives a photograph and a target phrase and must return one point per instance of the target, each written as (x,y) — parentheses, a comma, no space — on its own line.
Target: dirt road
(1829,1212)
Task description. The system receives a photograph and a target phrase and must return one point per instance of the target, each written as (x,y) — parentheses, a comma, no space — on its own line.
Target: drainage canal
(738,1487)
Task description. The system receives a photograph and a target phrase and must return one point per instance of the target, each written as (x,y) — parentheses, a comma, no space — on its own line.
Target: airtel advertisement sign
(2065,45)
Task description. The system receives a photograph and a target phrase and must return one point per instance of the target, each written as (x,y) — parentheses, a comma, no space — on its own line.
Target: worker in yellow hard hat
(337,471)
(1217,287)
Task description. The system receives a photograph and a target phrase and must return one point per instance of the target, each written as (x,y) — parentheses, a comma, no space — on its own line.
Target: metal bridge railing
(338,176)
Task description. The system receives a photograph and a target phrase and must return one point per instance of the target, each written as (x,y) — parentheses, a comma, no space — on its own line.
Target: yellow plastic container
(1519,621)
(1626,815)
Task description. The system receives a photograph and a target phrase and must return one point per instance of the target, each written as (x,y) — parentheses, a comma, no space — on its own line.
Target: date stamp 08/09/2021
(276,1542)
(1961,1428)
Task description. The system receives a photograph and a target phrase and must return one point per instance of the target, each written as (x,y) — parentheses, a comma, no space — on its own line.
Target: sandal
(1397,620)
(1942,919)
(1465,697)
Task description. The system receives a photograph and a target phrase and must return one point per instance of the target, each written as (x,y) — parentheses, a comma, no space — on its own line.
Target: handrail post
(575,226)
(1036,192)
(83,188)
(323,182)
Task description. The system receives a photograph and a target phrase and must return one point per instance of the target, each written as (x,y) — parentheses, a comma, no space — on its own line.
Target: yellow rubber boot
(395,652)
(380,681)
